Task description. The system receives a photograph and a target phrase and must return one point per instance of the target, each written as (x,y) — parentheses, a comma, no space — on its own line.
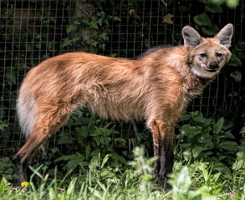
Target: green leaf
(238,164)
(95,133)
(222,168)
(64,139)
(66,42)
(3,125)
(94,23)
(28,47)
(240,55)
(103,37)
(240,155)
(229,145)
(237,76)
(206,140)
(234,61)
(119,158)
(99,21)
(77,22)
(204,122)
(214,8)
(38,46)
(202,20)
(65,157)
(116,18)
(97,140)
(203,193)
(242,130)
(240,46)
(240,161)
(205,1)
(11,77)
(50,45)
(83,130)
(218,125)
(105,173)
(87,152)
(85,22)
(189,130)
(105,159)
(73,160)
(210,30)
(70,28)
(72,164)
(187,154)
(182,184)
(186,117)
(151,160)
(197,150)
(3,186)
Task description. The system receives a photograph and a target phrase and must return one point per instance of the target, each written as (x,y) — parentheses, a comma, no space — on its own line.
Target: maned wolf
(156,87)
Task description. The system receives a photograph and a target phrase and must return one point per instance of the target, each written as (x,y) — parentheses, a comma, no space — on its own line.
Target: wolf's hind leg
(49,121)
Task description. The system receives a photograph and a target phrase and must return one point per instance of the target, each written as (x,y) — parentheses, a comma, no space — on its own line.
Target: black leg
(20,168)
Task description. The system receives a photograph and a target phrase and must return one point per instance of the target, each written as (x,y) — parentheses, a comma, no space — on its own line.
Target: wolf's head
(207,55)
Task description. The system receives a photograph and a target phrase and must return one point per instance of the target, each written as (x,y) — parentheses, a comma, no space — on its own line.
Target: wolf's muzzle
(213,66)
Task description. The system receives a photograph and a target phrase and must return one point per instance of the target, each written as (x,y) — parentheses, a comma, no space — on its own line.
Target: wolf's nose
(213,65)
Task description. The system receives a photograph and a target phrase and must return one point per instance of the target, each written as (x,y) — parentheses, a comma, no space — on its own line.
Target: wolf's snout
(213,66)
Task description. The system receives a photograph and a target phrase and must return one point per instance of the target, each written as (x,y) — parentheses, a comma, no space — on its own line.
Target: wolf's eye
(219,54)
(203,55)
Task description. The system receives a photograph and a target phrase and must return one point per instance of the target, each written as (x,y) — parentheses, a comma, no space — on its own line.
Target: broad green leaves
(181,185)
(202,20)
(237,76)
(217,127)
(214,8)
(204,139)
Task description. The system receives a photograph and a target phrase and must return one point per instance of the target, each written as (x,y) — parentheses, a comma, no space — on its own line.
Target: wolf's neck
(193,84)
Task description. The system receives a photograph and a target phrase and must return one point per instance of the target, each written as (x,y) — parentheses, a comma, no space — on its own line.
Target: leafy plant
(98,23)
(6,168)
(238,168)
(93,149)
(209,147)
(3,125)
(205,139)
(91,137)
(229,3)
(144,169)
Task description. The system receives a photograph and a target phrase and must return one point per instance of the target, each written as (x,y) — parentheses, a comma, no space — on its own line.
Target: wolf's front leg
(163,135)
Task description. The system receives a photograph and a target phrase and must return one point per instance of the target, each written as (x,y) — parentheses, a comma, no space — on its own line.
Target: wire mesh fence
(33,30)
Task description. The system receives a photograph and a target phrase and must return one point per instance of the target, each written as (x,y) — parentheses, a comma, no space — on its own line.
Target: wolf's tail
(26,109)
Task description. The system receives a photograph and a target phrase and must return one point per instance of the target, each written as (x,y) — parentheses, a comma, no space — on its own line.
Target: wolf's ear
(225,35)
(191,37)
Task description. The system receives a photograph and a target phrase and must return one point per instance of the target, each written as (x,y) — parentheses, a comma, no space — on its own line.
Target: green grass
(197,181)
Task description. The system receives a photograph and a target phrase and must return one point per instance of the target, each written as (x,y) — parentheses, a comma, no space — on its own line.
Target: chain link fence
(34,30)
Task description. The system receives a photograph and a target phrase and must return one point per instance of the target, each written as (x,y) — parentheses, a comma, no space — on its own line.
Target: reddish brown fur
(156,88)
